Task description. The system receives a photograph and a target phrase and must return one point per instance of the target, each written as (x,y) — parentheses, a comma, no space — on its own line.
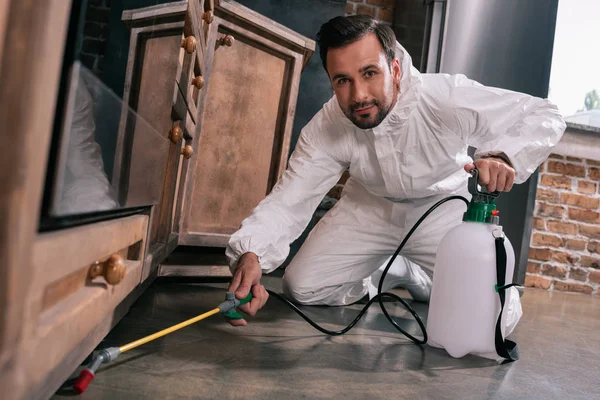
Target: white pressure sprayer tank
(474,262)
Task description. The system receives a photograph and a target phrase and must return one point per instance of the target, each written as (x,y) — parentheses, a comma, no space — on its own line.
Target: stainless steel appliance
(500,43)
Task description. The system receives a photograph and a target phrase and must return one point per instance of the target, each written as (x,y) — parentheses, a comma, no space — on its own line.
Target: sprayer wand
(227,309)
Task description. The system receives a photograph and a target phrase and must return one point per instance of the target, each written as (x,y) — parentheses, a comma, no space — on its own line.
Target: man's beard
(367,122)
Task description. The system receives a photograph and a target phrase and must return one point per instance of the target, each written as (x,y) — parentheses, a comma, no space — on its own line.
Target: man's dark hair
(340,31)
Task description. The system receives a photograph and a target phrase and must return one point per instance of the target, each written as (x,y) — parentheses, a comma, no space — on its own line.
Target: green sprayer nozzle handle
(231,303)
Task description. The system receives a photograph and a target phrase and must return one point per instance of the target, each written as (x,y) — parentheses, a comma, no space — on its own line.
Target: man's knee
(295,290)
(312,292)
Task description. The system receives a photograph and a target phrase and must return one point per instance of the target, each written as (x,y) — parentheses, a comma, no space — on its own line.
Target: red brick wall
(95,33)
(383,10)
(565,245)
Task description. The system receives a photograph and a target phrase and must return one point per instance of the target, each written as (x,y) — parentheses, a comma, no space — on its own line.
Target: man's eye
(342,81)
(369,74)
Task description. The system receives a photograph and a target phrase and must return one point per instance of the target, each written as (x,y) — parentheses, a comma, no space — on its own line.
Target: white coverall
(399,169)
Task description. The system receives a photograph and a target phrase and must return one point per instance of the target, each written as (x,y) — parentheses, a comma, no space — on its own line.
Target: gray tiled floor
(279,356)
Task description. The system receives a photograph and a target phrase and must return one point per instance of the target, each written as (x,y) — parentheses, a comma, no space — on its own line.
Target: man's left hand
(494,173)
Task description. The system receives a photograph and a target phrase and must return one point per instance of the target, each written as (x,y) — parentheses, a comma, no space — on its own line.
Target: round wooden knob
(113,270)
(198,82)
(189,44)
(227,40)
(187,151)
(175,133)
(208,17)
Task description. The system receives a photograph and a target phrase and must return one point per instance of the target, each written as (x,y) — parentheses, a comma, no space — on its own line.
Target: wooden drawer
(69,310)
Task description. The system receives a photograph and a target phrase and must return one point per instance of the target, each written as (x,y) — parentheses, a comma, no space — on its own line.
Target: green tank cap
(479,212)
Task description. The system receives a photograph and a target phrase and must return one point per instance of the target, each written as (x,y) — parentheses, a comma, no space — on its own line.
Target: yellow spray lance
(227,309)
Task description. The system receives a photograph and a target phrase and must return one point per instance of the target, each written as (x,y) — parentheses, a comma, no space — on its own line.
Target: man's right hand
(247,277)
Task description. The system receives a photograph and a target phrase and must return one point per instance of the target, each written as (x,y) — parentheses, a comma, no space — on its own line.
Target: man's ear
(396,71)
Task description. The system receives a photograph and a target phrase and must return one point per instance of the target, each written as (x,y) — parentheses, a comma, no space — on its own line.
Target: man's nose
(359,92)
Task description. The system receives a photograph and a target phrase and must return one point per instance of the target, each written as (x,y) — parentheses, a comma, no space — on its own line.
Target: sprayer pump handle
(474,189)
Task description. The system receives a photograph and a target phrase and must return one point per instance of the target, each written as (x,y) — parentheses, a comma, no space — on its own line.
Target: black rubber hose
(380,295)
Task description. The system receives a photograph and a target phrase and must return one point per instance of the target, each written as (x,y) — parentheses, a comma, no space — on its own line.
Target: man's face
(364,83)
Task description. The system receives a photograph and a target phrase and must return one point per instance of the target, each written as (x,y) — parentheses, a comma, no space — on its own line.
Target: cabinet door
(253,67)
(165,59)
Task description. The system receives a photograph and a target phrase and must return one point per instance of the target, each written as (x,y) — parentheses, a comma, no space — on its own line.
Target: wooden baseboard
(215,271)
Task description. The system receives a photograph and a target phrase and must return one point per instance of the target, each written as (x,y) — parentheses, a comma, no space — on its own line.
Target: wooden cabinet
(253,68)
(217,84)
(228,77)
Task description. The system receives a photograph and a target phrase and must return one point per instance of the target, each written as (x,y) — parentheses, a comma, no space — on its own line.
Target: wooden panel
(154,103)
(63,288)
(190,262)
(193,65)
(33,43)
(186,255)
(66,306)
(288,112)
(180,108)
(154,22)
(157,252)
(3,25)
(184,165)
(154,15)
(194,27)
(208,6)
(184,202)
(164,223)
(62,259)
(204,239)
(67,251)
(185,73)
(251,18)
(62,329)
(245,123)
(215,271)
(72,308)
(236,146)
(47,385)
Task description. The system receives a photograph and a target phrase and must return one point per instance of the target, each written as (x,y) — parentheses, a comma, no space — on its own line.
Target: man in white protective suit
(404,137)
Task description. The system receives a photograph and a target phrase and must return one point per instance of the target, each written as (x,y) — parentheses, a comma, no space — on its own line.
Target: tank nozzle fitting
(481,208)
(494,219)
